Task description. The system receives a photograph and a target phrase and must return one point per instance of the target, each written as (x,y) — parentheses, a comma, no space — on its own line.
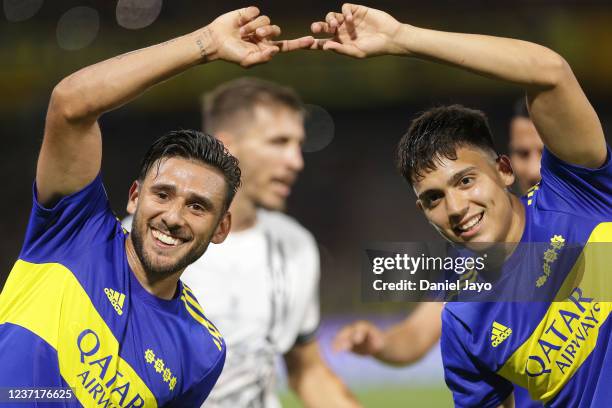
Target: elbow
(67,102)
(554,71)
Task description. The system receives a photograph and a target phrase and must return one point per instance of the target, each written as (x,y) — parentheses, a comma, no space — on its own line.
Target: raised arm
(71,151)
(558,107)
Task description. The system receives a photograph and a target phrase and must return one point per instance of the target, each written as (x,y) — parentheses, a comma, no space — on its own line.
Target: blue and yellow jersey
(559,349)
(72,314)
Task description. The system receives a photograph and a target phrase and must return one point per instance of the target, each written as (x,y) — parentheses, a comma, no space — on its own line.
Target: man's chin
(273,204)
(159,267)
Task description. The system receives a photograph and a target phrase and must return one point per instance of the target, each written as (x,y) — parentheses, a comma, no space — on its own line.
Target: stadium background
(349,192)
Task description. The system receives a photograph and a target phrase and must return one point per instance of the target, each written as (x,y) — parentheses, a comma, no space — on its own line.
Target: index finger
(295,44)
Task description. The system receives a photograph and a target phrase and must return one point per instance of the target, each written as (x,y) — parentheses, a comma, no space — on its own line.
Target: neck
(244,212)
(164,288)
(518,220)
(515,233)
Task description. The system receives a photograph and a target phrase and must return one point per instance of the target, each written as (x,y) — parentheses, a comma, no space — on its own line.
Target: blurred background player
(525,147)
(261,285)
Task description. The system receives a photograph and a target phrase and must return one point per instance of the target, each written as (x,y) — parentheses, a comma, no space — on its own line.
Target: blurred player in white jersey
(261,286)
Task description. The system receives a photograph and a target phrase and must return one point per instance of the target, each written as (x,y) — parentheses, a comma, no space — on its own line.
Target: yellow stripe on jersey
(191,299)
(568,332)
(48,300)
(209,326)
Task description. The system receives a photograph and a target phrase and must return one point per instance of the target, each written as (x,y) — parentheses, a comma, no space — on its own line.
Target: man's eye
(197,207)
(161,195)
(466,181)
(433,200)
(280,141)
(523,154)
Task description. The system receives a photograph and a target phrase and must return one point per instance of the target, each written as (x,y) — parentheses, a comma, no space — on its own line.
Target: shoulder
(573,189)
(208,339)
(464,317)
(451,313)
(286,229)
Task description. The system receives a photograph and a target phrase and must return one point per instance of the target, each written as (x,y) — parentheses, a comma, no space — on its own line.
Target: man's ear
(133,197)
(223,228)
(504,168)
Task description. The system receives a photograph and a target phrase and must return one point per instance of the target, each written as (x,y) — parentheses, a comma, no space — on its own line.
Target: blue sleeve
(576,189)
(197,394)
(472,384)
(523,400)
(76,222)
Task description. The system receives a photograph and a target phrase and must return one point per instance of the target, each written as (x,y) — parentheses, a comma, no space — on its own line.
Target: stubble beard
(156,272)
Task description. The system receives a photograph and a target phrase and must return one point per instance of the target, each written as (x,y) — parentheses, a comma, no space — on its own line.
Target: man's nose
(294,158)
(456,206)
(173,216)
(534,169)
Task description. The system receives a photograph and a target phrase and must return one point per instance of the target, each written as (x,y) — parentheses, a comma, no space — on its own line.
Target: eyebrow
(200,199)
(452,181)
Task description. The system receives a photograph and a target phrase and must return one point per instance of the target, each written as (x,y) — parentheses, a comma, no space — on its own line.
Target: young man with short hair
(411,339)
(559,351)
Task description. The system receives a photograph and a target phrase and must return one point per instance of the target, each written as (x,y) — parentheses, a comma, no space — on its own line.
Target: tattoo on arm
(200,43)
(201,48)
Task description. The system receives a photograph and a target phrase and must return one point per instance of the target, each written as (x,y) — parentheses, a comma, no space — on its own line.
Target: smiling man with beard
(88,306)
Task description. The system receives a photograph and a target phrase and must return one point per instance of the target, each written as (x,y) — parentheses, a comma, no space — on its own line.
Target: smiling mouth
(165,239)
(469,225)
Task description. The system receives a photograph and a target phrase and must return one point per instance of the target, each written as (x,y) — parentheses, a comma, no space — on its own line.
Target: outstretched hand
(246,38)
(361,337)
(359,32)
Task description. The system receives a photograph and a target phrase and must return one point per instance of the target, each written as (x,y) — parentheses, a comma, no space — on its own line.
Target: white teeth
(471,223)
(166,239)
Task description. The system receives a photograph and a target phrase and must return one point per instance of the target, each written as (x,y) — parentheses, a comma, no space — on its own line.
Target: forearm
(402,347)
(520,62)
(408,341)
(320,388)
(86,94)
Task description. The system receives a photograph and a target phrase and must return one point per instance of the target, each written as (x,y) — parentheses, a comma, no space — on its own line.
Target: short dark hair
(222,104)
(436,134)
(194,145)
(520,109)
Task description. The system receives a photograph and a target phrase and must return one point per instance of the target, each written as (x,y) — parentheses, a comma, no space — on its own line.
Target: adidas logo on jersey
(116,299)
(499,333)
